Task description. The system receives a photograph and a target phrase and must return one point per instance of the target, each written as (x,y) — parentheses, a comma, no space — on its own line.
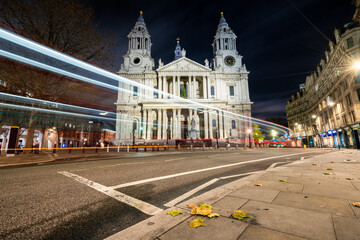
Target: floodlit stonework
(148,115)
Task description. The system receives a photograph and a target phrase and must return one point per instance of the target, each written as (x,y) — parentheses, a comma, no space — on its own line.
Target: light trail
(88,67)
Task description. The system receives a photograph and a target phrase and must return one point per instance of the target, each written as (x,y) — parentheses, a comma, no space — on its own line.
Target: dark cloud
(278,44)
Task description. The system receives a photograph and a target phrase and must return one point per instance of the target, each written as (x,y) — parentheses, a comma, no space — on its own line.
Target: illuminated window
(231,88)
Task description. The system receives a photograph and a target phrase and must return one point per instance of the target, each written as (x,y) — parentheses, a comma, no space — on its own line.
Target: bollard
(158,147)
(226,146)
(145,147)
(203,147)
(108,148)
(96,148)
(245,146)
(128,148)
(118,148)
(191,147)
(216,146)
(164,146)
(236,146)
(137,147)
(153,148)
(257,145)
(54,149)
(178,146)
(83,150)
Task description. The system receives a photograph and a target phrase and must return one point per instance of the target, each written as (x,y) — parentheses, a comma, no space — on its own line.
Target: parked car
(277,145)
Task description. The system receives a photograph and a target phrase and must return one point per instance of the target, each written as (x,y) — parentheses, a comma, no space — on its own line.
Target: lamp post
(217,138)
(249,131)
(168,135)
(133,135)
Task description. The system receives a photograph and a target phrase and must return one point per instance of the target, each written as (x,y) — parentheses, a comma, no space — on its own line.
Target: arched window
(214,123)
(212,88)
(233,124)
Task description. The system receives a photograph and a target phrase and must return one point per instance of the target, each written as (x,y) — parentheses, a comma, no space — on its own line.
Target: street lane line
(195,171)
(174,159)
(136,203)
(188,194)
(239,175)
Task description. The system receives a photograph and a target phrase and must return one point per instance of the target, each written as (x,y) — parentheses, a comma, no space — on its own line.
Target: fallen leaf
(203,209)
(258,184)
(315,164)
(206,206)
(331,162)
(239,214)
(197,223)
(356,204)
(349,178)
(282,180)
(192,206)
(174,212)
(329,169)
(326,173)
(211,215)
(334,178)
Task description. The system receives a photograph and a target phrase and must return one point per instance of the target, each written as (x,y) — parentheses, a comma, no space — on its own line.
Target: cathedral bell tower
(226,58)
(138,57)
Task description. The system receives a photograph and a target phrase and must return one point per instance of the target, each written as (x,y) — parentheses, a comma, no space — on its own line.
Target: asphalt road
(42,202)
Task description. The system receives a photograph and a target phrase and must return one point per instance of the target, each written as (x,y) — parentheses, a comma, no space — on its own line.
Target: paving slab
(335,206)
(281,186)
(259,233)
(256,193)
(227,205)
(347,228)
(332,190)
(216,228)
(293,221)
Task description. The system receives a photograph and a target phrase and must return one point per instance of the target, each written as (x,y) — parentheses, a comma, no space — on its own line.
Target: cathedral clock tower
(226,58)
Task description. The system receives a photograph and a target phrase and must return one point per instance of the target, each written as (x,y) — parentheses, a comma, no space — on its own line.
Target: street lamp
(356,65)
(249,131)
(168,135)
(313,116)
(273,133)
(217,138)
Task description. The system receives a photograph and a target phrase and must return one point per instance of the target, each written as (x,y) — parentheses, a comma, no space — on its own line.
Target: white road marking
(136,203)
(188,194)
(174,159)
(195,171)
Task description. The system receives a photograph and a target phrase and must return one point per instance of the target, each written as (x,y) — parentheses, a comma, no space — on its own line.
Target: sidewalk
(307,205)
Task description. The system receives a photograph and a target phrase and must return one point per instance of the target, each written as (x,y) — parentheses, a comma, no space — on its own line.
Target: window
(348,100)
(352,117)
(155,123)
(344,120)
(134,125)
(350,42)
(231,88)
(214,123)
(233,124)
(156,94)
(212,89)
(135,92)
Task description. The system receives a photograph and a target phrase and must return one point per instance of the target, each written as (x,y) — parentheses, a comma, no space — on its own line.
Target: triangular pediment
(183,65)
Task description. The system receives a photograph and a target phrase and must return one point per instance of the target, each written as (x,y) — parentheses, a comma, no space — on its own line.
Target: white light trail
(88,67)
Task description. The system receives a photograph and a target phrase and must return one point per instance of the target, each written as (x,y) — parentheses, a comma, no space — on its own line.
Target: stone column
(160,86)
(164,86)
(178,125)
(173,85)
(178,86)
(208,87)
(144,124)
(204,87)
(164,124)
(189,92)
(150,122)
(206,123)
(173,124)
(221,127)
(211,116)
(159,124)
(190,116)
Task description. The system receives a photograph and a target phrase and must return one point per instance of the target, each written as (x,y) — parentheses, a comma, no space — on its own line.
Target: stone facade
(326,110)
(143,114)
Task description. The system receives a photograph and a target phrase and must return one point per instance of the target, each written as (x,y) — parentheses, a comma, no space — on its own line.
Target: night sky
(279,46)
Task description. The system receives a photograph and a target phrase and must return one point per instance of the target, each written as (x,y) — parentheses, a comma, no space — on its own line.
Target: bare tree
(65,25)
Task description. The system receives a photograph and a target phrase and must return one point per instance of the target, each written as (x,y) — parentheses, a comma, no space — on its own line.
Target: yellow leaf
(282,180)
(356,204)
(193,211)
(207,206)
(258,184)
(329,169)
(326,173)
(197,223)
(213,215)
(174,212)
(192,206)
(203,211)
(239,214)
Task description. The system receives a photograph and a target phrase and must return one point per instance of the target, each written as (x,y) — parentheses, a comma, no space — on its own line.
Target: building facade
(325,112)
(145,115)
